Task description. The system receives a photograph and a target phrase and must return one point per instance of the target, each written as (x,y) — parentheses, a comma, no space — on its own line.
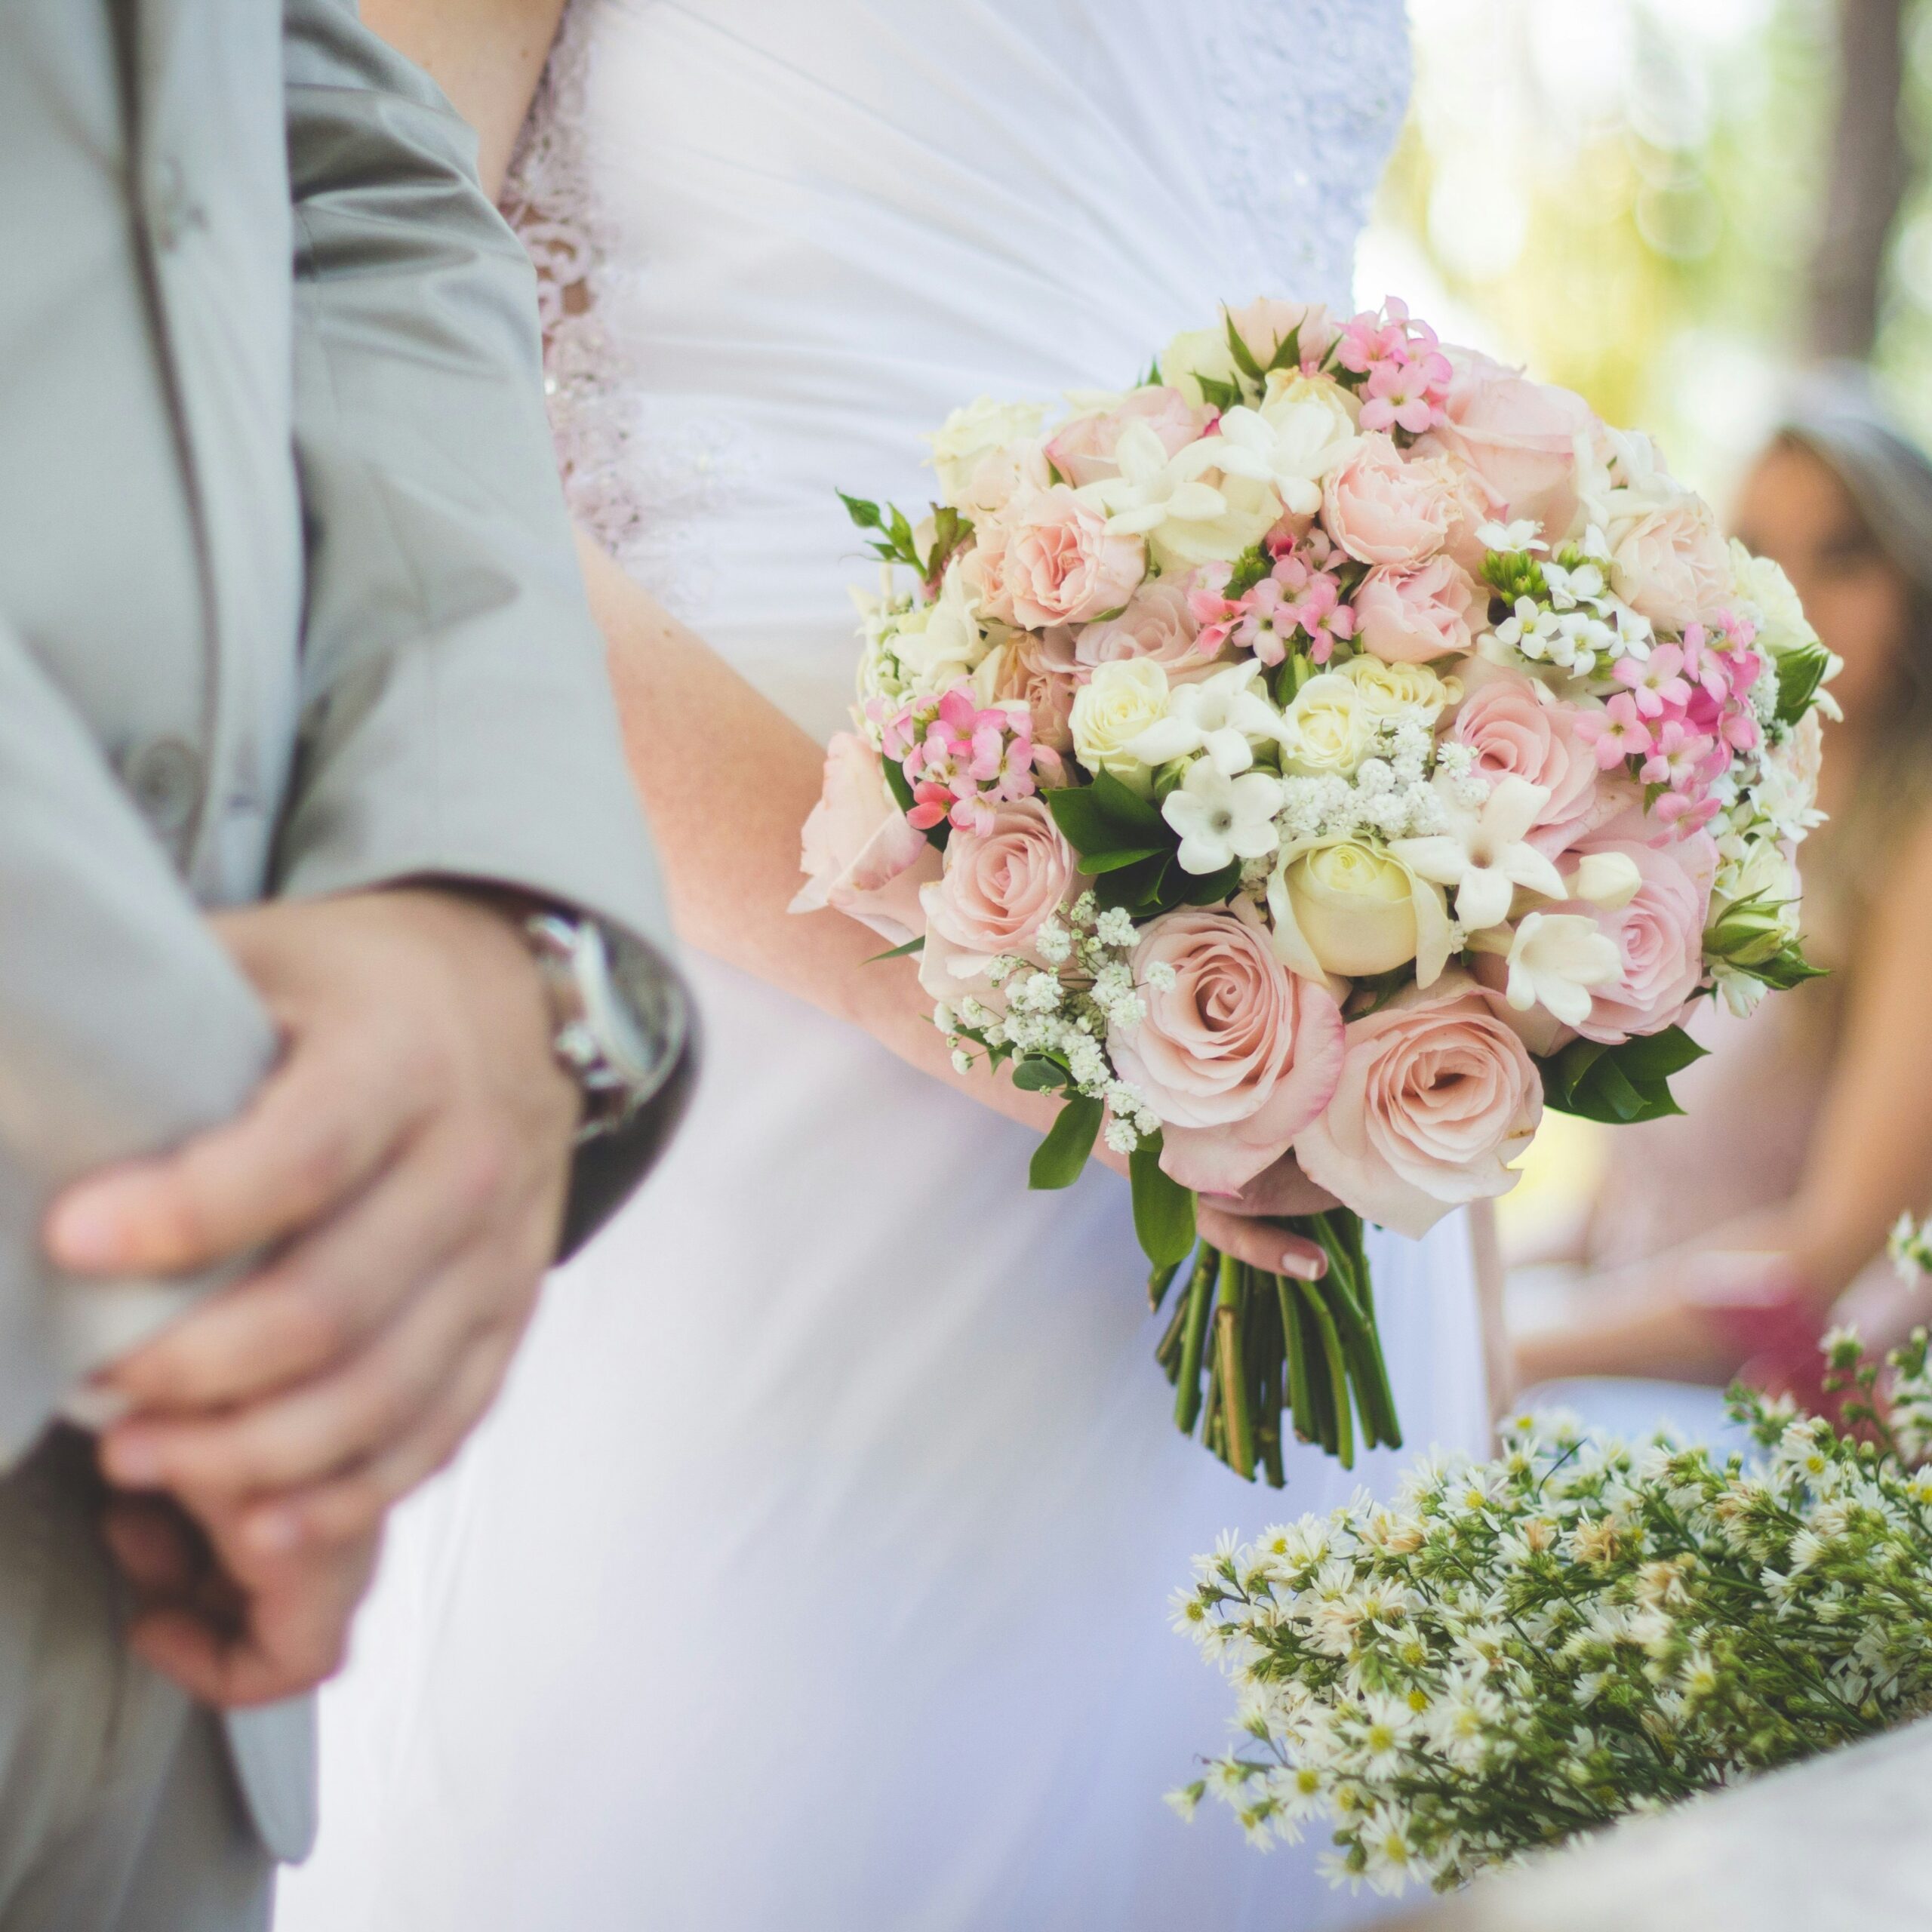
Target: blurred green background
(1667,204)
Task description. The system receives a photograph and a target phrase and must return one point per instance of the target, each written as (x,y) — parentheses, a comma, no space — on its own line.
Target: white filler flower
(1221,818)
(1484,856)
(1555,960)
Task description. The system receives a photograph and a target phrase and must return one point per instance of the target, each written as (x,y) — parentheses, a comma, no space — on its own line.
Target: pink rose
(1082,450)
(1515,726)
(1672,566)
(1382,508)
(1268,321)
(1037,670)
(1157,624)
(998,887)
(1407,616)
(1660,934)
(1519,439)
(1437,1096)
(1236,1057)
(1047,559)
(860,856)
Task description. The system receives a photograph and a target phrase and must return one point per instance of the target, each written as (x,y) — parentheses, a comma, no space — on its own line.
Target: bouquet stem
(1252,1355)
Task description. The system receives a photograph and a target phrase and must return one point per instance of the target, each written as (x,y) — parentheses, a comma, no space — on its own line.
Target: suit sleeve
(458,720)
(124,1028)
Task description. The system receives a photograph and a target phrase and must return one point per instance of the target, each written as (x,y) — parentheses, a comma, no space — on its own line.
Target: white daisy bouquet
(1336,746)
(1518,1650)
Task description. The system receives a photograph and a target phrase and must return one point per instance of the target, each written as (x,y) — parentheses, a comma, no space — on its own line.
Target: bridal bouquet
(1336,744)
(1521,1650)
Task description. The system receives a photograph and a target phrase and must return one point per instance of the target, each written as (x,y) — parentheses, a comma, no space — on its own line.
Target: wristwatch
(622,1023)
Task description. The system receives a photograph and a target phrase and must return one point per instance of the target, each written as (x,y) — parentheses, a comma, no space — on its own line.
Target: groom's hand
(230,1626)
(403,1174)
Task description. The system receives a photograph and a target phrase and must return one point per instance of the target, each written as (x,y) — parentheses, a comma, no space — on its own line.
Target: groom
(328,1006)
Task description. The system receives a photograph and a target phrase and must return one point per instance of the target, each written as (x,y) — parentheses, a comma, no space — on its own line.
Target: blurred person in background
(1722,1241)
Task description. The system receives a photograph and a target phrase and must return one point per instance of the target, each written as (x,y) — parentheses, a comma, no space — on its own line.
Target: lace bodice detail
(1010,196)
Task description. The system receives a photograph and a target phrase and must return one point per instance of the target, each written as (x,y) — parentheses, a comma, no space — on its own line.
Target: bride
(812,1573)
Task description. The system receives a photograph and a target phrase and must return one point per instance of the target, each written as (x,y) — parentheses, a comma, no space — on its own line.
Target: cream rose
(1436,1096)
(1048,559)
(1384,508)
(943,642)
(1236,1055)
(994,891)
(1347,908)
(1671,565)
(859,856)
(1519,437)
(1389,692)
(1782,624)
(1407,616)
(1118,703)
(1327,730)
(969,436)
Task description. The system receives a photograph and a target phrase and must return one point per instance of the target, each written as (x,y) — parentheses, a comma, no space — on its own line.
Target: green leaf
(1218,395)
(899,952)
(1622,1084)
(865,514)
(1287,351)
(951,532)
(1038,1074)
(1093,863)
(1059,1159)
(1107,816)
(1243,356)
(1140,888)
(1163,1209)
(1211,888)
(1800,673)
(1653,1057)
(1787,969)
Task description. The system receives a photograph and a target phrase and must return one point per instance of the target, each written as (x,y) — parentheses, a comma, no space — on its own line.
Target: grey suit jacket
(287,602)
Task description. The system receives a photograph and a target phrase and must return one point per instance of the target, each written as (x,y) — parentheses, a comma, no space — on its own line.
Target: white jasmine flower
(1555,958)
(1221,818)
(1483,854)
(1223,717)
(1511,536)
(1608,879)
(1302,432)
(1153,488)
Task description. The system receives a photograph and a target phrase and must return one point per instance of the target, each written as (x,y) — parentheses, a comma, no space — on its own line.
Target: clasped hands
(402,1178)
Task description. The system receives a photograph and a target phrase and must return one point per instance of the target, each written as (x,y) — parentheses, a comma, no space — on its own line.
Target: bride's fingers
(1261,1243)
(1284,1189)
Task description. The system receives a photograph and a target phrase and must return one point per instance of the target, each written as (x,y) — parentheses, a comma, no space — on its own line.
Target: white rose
(1346,907)
(969,436)
(1774,608)
(1389,692)
(1194,353)
(1252,510)
(1328,729)
(942,642)
(1122,699)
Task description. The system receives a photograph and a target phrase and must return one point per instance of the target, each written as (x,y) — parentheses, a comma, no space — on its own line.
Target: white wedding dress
(812,1574)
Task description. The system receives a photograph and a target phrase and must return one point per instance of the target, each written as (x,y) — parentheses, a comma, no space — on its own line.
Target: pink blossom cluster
(961,761)
(1682,717)
(1408,374)
(1300,597)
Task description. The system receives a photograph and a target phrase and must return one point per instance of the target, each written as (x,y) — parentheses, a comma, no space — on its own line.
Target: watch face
(634,1005)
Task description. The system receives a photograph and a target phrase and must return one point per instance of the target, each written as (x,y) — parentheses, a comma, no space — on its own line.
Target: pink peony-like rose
(1407,617)
(997,887)
(1268,321)
(860,856)
(1157,624)
(1673,566)
(1519,437)
(1047,558)
(1660,933)
(1082,450)
(1236,1057)
(1383,508)
(1515,725)
(1037,669)
(1436,1095)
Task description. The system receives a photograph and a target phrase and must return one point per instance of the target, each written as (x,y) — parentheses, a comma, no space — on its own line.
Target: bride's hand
(1244,1225)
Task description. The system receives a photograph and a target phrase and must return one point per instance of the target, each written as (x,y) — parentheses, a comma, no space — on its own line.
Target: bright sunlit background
(1628,196)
